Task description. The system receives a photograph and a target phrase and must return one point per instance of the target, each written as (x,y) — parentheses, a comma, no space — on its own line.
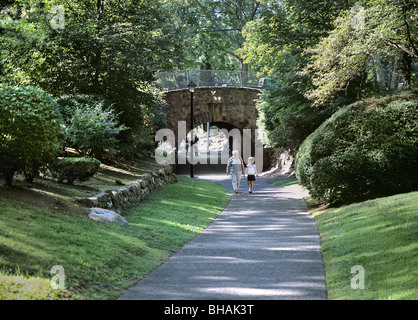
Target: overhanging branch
(222,49)
(411,53)
(217,26)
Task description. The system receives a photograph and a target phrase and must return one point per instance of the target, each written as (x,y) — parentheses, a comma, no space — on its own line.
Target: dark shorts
(251,177)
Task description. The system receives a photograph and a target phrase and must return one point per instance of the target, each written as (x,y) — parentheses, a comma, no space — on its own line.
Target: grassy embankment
(40,227)
(381,236)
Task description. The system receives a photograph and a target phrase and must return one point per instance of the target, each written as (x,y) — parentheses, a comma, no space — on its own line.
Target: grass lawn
(379,235)
(283,181)
(99,260)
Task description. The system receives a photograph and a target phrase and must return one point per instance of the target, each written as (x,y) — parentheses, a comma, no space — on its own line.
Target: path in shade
(264,245)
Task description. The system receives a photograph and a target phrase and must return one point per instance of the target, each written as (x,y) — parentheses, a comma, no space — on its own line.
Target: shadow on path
(263,246)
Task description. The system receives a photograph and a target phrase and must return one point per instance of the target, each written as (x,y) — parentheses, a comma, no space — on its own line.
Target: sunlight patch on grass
(283,181)
(19,287)
(380,235)
(100,260)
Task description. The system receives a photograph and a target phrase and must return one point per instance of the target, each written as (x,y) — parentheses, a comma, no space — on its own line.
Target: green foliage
(30,129)
(109,48)
(68,103)
(340,61)
(93,131)
(91,125)
(71,169)
(275,45)
(365,149)
(211,31)
(287,115)
(319,53)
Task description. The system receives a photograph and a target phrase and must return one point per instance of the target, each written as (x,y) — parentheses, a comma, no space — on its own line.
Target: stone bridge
(223,98)
(226,107)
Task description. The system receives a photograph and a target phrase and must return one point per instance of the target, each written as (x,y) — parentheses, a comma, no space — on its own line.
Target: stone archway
(235,106)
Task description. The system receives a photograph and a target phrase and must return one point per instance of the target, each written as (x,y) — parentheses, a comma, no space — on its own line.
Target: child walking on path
(251,171)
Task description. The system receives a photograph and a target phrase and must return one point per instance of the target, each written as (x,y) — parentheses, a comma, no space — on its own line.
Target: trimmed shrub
(30,130)
(73,169)
(366,149)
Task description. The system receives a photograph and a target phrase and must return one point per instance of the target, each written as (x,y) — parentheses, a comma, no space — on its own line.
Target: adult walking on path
(264,246)
(235,168)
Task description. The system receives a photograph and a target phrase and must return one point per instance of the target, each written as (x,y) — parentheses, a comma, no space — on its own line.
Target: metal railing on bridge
(175,80)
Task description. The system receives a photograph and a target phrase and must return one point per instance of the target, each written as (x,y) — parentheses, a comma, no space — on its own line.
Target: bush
(67,104)
(91,126)
(366,149)
(30,130)
(71,169)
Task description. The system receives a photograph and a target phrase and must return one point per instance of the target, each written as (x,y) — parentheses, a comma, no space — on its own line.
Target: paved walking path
(262,246)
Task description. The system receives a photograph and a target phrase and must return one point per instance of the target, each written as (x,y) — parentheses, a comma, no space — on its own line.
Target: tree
(386,27)
(112,48)
(275,45)
(213,30)
(30,130)
(229,18)
(288,27)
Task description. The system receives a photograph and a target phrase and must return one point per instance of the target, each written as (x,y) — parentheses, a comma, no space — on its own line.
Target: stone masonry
(125,197)
(232,105)
(227,107)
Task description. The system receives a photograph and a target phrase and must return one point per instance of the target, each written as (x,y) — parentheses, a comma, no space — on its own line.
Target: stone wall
(227,107)
(233,105)
(123,198)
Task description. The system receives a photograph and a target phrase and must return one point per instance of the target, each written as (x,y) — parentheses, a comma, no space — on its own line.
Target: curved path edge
(263,246)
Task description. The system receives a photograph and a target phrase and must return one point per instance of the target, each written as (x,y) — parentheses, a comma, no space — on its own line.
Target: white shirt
(251,168)
(236,160)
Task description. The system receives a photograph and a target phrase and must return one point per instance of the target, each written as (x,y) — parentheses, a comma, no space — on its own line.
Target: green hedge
(365,149)
(71,169)
(30,130)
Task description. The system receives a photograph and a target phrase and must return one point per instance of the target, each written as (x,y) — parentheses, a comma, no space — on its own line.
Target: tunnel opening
(213,144)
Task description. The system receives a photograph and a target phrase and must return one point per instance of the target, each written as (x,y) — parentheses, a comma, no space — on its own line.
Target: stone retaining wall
(121,199)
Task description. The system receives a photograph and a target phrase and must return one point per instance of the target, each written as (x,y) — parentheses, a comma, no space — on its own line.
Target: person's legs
(238,179)
(234,181)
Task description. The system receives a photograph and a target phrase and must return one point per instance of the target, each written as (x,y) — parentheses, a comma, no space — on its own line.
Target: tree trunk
(405,70)
(380,76)
(400,72)
(97,60)
(8,174)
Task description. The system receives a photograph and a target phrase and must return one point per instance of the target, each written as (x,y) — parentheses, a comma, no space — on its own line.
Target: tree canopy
(320,55)
(379,28)
(111,48)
